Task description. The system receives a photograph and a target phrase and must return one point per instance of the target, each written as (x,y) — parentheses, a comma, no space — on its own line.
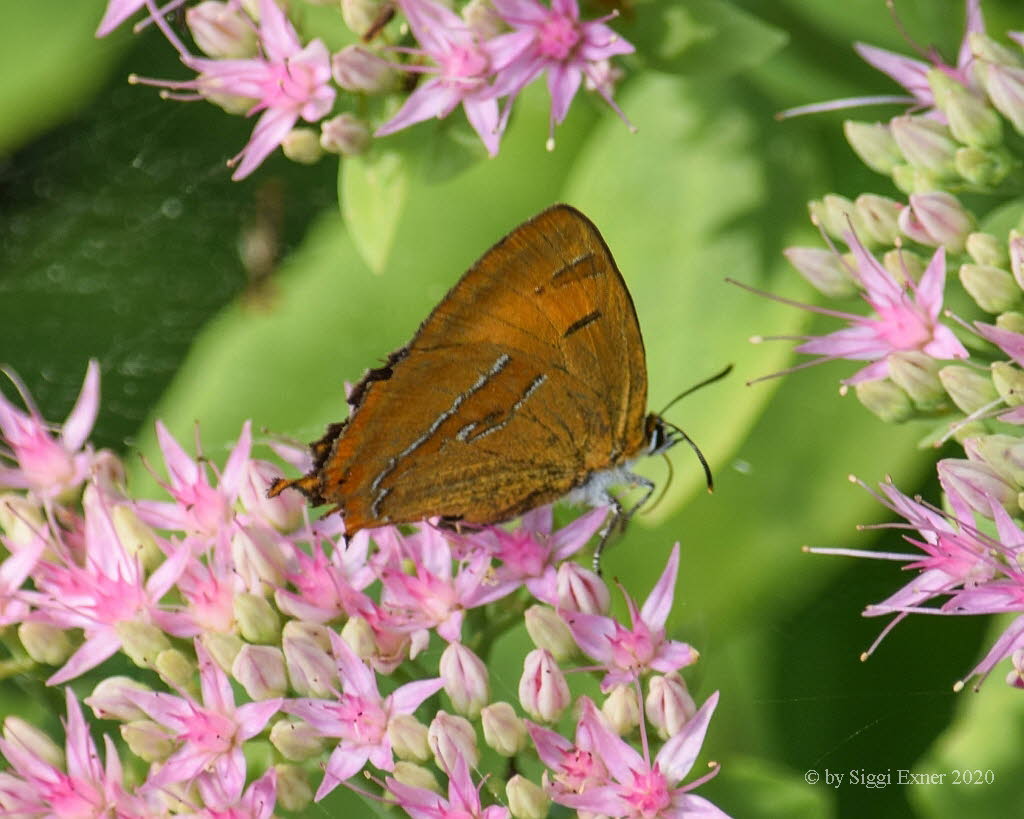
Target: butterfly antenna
(716,377)
(689,440)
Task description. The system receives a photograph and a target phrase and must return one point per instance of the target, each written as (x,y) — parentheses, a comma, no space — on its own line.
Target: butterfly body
(526,383)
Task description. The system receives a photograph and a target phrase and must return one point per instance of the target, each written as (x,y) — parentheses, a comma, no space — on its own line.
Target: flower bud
(294,793)
(908,179)
(142,642)
(1012,321)
(222,648)
(1016,676)
(1004,85)
(823,269)
(969,389)
(310,667)
(926,144)
(21,519)
(344,134)
(918,375)
(284,512)
(886,400)
(580,589)
(669,705)
(525,799)
(296,740)
(147,740)
(465,680)
(360,638)
(138,539)
(504,731)
(992,288)
(31,740)
(1017,257)
(977,482)
(408,737)
(409,773)
(257,620)
(622,709)
(836,215)
(260,671)
(258,553)
(361,15)
(970,120)
(987,50)
(905,265)
(874,144)
(1004,453)
(984,248)
(877,216)
(357,69)
(985,169)
(175,668)
(302,145)
(108,700)
(936,218)
(221,31)
(46,644)
(549,631)
(483,19)
(543,690)
(1009,382)
(449,736)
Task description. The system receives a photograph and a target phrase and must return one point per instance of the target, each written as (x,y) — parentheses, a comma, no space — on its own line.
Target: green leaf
(372,189)
(757,787)
(702,37)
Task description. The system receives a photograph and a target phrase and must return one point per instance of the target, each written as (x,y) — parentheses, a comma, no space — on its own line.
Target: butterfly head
(661,436)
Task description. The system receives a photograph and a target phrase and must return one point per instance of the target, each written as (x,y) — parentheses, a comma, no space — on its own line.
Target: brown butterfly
(526,383)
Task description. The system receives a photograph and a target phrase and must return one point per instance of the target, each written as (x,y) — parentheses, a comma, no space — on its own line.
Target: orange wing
(528,376)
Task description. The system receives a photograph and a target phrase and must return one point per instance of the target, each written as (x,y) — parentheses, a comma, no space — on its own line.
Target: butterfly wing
(528,376)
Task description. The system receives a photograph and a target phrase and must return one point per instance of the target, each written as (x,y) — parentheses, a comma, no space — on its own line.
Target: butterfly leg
(620,517)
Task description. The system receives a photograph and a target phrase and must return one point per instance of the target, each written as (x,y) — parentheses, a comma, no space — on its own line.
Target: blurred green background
(121,233)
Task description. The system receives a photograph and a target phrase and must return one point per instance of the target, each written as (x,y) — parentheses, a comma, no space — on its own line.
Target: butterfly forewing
(527,377)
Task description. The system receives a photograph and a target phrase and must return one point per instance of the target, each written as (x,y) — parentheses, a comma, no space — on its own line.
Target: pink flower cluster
(219,588)
(257,63)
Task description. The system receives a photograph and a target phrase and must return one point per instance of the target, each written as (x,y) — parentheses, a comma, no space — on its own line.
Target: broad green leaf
(701,37)
(754,787)
(372,190)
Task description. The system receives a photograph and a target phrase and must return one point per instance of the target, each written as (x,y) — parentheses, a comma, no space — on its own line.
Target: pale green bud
(408,737)
(409,773)
(1012,321)
(984,248)
(904,265)
(878,217)
(260,671)
(970,119)
(46,644)
(984,168)
(886,400)
(361,15)
(1004,453)
(142,642)
(992,288)
(525,799)
(504,730)
(20,519)
(294,793)
(223,648)
(174,668)
(926,144)
(137,537)
(549,631)
(836,215)
(823,269)
(1009,382)
(873,142)
(296,740)
(918,375)
(358,69)
(1017,257)
(147,740)
(905,177)
(257,620)
(987,50)
(221,32)
(622,709)
(450,736)
(483,19)
(109,701)
(344,134)
(302,145)
(969,389)
(1005,88)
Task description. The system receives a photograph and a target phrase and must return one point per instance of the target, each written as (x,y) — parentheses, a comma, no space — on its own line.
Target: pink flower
(288,82)
(256,803)
(906,317)
(627,653)
(120,10)
(910,73)
(84,788)
(603,774)
(464,68)
(48,466)
(463,799)
(359,717)
(565,47)
(109,588)
(211,734)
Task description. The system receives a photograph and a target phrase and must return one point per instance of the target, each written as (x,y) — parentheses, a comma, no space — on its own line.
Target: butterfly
(526,384)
